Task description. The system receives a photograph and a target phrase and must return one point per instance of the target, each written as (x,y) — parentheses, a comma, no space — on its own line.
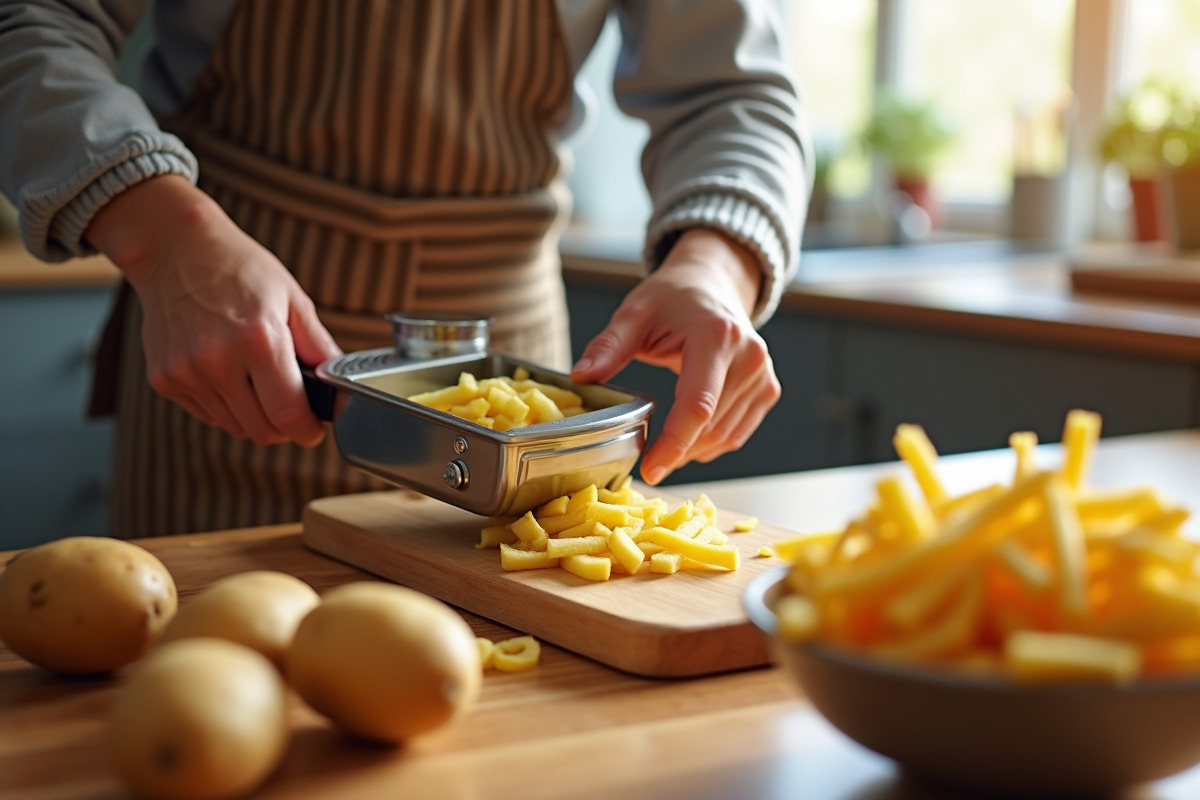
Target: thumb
(313,343)
(609,351)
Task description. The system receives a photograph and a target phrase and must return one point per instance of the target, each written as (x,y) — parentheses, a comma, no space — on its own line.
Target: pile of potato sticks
(1043,580)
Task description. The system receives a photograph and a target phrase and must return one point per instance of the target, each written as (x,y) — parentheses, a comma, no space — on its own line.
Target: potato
(385,662)
(85,604)
(199,719)
(258,609)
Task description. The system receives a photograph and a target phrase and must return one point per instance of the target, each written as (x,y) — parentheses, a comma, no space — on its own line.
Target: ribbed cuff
(53,223)
(744,219)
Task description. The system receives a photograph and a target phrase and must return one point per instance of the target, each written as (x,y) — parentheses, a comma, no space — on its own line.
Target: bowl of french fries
(1032,637)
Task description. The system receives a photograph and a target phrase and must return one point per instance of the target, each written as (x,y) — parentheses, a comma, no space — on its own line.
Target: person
(289,172)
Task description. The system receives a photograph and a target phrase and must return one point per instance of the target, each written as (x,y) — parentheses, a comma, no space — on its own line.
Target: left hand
(692,315)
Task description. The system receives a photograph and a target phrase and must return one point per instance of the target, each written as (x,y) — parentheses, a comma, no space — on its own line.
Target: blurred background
(971,154)
(970,97)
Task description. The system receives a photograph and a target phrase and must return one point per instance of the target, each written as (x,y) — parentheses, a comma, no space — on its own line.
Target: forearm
(74,137)
(142,221)
(728,146)
(736,269)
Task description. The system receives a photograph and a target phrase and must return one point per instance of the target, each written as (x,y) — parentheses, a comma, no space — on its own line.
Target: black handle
(321,395)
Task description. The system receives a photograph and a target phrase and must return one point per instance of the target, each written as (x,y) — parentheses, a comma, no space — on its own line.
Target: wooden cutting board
(686,624)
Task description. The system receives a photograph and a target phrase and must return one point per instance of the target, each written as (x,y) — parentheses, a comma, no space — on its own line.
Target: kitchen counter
(572,728)
(972,339)
(984,288)
(20,270)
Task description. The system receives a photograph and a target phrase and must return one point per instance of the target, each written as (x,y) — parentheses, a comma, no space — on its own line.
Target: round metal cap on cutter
(433,335)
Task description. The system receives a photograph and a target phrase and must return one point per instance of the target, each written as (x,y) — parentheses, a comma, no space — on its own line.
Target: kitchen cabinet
(970,393)
(54,463)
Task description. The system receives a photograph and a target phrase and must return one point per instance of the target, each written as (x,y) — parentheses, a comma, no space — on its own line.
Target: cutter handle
(321,396)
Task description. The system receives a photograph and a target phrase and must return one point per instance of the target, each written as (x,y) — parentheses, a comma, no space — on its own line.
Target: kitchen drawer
(49,336)
(970,393)
(54,482)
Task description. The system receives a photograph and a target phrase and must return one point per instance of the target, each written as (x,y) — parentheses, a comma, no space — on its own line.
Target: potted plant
(1132,139)
(909,135)
(1179,148)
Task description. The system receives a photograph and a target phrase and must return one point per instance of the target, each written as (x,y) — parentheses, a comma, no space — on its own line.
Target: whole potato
(385,662)
(199,719)
(258,609)
(85,604)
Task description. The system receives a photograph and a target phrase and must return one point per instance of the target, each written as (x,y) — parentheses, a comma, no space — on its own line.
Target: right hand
(224,319)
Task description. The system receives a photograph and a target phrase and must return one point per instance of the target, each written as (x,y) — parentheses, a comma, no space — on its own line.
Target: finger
(279,389)
(697,398)
(178,383)
(246,405)
(611,350)
(219,411)
(195,409)
(312,342)
(730,438)
(751,382)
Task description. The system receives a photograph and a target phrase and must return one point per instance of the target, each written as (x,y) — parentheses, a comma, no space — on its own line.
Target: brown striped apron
(395,155)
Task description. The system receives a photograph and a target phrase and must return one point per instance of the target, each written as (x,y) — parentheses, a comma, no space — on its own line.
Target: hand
(692,315)
(224,319)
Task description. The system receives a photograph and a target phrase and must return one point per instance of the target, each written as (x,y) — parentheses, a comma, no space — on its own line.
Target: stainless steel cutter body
(492,473)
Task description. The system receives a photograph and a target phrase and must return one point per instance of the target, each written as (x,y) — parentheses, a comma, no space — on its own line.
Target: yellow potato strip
(592,568)
(912,608)
(950,635)
(513,559)
(961,541)
(1034,657)
(913,445)
(716,555)
(1033,574)
(1080,434)
(956,505)
(1024,443)
(1069,549)
(577,546)
(911,514)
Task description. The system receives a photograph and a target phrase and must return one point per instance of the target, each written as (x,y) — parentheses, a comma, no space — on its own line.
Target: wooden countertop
(20,270)
(987,289)
(572,728)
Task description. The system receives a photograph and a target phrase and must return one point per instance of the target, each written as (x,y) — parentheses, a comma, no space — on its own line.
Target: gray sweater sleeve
(728,148)
(73,135)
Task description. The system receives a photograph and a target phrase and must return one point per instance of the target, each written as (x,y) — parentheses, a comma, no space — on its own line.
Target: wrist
(730,259)
(138,224)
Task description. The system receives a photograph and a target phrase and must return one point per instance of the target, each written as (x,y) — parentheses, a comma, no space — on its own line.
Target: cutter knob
(456,475)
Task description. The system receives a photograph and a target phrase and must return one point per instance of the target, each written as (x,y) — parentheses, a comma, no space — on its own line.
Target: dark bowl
(985,734)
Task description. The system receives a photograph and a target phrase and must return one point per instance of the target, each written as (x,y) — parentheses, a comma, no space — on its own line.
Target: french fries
(596,532)
(503,403)
(1045,579)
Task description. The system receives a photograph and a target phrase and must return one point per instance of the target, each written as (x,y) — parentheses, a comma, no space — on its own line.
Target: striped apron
(395,155)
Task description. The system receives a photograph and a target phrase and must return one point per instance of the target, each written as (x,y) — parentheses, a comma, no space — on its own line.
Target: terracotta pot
(1183,207)
(923,196)
(1147,209)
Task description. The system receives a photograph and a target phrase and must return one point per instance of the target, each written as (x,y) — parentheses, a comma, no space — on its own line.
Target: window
(1161,44)
(983,63)
(833,51)
(1057,64)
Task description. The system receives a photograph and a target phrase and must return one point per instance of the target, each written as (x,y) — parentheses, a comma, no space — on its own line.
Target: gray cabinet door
(54,464)
(971,393)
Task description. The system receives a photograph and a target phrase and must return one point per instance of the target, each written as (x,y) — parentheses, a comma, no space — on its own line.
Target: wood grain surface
(689,623)
(572,728)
